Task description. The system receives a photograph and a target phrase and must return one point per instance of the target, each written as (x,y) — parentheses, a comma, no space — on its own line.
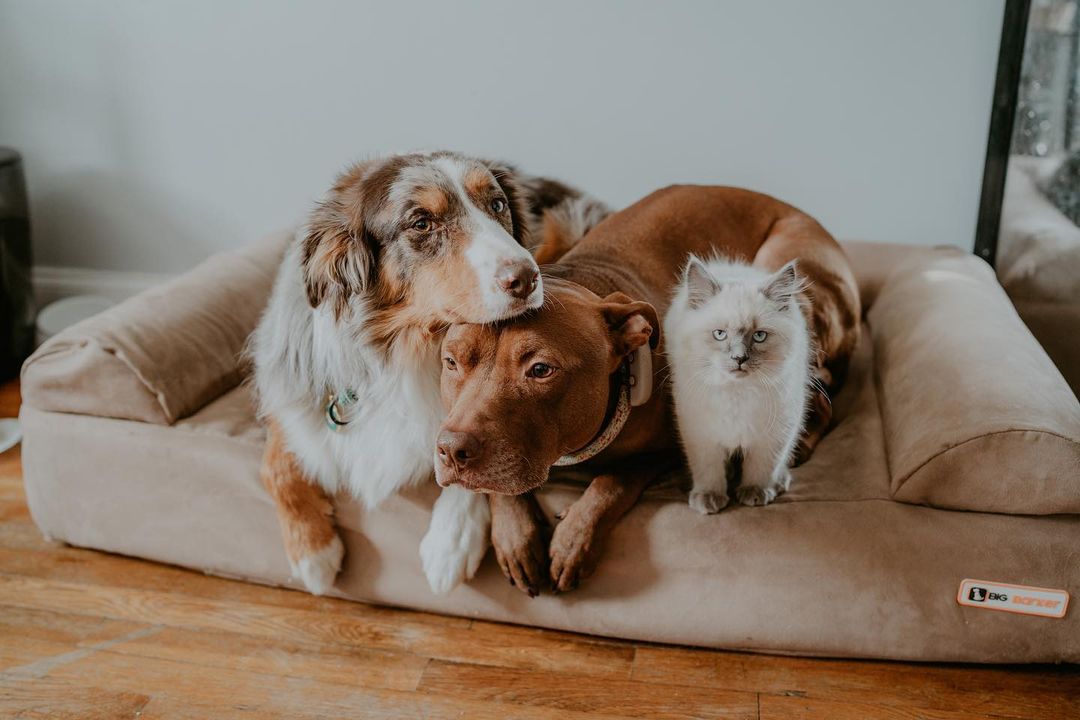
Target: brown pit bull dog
(580,381)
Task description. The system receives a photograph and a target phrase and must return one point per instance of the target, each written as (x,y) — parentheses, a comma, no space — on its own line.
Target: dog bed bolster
(975,414)
(164,353)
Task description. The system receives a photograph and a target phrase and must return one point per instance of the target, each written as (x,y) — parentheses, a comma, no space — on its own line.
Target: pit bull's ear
(632,323)
(701,286)
(338,255)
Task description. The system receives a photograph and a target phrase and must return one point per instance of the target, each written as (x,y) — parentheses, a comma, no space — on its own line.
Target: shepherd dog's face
(440,237)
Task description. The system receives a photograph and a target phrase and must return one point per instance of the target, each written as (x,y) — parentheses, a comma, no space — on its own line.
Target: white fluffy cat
(739,350)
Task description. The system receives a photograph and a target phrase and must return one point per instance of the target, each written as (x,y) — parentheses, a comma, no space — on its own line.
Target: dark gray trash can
(16,293)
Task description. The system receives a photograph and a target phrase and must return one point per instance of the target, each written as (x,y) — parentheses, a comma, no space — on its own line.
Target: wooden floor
(90,635)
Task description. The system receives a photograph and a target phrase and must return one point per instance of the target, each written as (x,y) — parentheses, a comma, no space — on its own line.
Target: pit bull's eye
(422,225)
(720,334)
(449,363)
(760,336)
(498,205)
(540,370)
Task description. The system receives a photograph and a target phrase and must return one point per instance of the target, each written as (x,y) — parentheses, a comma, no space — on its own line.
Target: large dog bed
(956,455)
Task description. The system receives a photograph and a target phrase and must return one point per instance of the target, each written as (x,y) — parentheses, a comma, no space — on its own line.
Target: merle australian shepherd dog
(347,353)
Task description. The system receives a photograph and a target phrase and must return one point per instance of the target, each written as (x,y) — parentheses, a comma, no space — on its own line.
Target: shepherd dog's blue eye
(719,334)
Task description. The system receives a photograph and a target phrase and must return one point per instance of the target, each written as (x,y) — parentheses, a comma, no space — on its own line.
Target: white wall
(157,132)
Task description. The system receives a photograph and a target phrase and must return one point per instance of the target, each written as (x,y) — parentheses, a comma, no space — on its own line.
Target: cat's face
(741,329)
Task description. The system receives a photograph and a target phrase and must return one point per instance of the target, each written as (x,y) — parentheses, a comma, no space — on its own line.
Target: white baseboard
(52,283)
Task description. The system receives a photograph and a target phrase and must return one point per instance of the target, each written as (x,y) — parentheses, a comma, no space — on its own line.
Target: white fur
(456,539)
(490,249)
(301,354)
(760,412)
(319,569)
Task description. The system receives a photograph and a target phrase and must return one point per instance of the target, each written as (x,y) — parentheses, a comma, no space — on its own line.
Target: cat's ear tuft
(784,284)
(701,286)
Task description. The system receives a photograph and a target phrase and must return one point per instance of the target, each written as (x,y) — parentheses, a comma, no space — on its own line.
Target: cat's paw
(755,496)
(708,503)
(318,569)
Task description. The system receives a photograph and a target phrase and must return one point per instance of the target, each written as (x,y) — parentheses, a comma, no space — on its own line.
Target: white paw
(754,496)
(319,569)
(454,545)
(708,503)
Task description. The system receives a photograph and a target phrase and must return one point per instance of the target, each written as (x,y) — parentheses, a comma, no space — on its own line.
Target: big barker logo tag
(1022,599)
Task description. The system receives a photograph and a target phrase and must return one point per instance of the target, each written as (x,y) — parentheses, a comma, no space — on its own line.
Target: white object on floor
(10,434)
(66,312)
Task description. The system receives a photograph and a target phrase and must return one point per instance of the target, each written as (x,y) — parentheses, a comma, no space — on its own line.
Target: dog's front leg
(456,540)
(305,514)
(577,541)
(518,534)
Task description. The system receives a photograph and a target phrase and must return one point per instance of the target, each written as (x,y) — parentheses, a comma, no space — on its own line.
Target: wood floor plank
(563,691)
(30,636)
(1024,691)
(272,694)
(774,707)
(348,625)
(325,663)
(51,700)
(170,708)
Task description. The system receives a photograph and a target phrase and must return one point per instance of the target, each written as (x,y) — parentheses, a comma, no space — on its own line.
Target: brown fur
(305,512)
(589,324)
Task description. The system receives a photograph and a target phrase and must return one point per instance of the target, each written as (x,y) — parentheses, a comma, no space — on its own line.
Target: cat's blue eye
(719,334)
(760,336)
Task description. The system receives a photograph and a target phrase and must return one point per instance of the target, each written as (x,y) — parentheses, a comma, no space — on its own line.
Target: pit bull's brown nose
(457,449)
(518,278)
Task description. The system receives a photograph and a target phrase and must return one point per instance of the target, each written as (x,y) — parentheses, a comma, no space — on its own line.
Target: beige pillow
(163,354)
(975,415)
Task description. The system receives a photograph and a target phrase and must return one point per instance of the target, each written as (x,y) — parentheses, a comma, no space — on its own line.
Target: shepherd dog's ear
(516,197)
(339,254)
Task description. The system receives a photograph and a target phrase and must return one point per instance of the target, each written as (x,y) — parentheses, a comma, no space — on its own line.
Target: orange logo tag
(1021,599)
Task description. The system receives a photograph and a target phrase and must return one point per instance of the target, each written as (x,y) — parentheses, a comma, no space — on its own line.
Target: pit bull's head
(520,394)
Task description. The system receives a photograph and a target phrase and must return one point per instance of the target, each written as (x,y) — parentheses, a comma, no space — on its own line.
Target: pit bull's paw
(573,552)
(708,503)
(755,496)
(318,569)
(523,560)
(521,549)
(453,547)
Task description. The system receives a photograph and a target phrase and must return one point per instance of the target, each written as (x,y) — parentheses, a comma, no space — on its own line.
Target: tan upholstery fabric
(163,354)
(835,567)
(976,416)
